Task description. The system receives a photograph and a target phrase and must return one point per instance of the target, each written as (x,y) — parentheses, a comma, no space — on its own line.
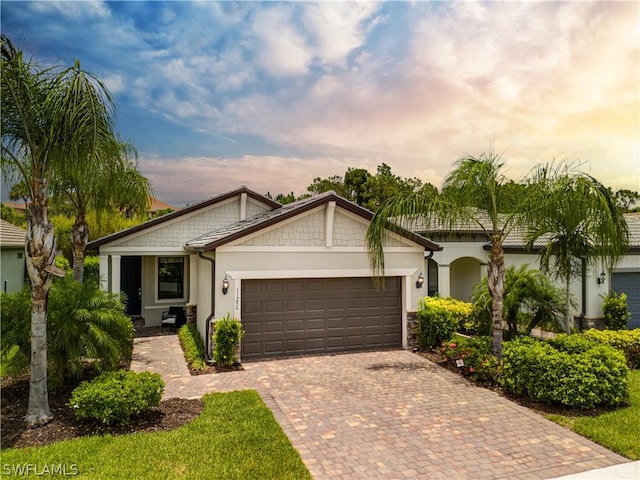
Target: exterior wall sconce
(225,285)
(420,281)
(601,278)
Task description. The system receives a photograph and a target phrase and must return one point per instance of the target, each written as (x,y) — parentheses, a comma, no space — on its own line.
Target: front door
(131,283)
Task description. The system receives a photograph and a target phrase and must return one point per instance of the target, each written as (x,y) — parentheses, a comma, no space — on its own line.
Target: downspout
(584,294)
(211,315)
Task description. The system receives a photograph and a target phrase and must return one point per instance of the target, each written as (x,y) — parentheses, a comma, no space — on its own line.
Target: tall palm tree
(474,193)
(106,182)
(51,118)
(578,221)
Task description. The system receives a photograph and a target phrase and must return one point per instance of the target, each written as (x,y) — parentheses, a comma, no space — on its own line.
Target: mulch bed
(170,414)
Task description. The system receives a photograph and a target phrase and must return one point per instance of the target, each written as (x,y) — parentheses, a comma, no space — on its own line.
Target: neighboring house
(462,263)
(297,276)
(12,242)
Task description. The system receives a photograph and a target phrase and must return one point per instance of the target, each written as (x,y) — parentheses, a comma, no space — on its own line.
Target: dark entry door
(131,283)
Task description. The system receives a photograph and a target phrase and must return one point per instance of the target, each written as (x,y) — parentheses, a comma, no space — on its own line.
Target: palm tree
(530,300)
(106,182)
(579,223)
(51,118)
(474,193)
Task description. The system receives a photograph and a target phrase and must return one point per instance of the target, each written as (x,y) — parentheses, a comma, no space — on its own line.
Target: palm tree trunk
(79,240)
(495,282)
(40,257)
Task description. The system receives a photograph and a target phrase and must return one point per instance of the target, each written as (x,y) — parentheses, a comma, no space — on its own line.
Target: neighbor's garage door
(629,283)
(302,316)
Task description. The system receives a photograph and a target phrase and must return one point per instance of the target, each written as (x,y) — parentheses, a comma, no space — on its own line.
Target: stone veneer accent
(192,314)
(412,329)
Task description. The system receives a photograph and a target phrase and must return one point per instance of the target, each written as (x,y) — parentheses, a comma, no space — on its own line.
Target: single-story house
(461,264)
(297,276)
(12,242)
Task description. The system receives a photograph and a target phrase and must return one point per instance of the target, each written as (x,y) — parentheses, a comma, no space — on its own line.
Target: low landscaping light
(601,278)
(420,281)
(225,285)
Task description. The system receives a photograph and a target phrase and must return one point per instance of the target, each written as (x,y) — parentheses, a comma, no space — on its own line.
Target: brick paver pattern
(390,415)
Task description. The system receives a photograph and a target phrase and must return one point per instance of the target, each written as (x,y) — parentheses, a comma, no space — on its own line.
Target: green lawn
(618,430)
(235,437)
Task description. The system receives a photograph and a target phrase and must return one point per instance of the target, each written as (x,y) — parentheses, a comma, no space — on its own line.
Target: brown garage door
(301,316)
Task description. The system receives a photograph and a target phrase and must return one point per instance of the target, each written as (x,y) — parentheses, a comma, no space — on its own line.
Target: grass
(236,437)
(618,430)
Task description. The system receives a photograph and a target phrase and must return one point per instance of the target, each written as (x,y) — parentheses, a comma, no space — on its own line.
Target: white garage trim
(356,272)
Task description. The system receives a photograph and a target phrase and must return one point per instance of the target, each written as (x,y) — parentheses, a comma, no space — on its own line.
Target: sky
(270,95)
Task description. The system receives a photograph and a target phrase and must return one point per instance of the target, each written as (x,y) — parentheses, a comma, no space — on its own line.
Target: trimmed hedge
(574,371)
(627,341)
(615,310)
(114,397)
(226,337)
(193,346)
(439,318)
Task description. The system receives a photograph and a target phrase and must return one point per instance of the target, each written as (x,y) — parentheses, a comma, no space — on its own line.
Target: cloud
(337,28)
(280,48)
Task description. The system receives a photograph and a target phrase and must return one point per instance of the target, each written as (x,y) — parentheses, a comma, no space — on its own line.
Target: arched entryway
(465,273)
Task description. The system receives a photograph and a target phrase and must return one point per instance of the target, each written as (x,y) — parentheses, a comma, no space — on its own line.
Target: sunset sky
(270,95)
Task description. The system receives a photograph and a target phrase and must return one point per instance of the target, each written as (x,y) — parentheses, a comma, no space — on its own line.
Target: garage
(629,283)
(283,317)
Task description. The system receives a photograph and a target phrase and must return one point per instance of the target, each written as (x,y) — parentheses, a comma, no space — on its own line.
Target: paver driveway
(389,414)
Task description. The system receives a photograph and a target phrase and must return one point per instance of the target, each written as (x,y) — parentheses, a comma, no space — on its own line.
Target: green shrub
(616,312)
(572,343)
(627,341)
(478,323)
(193,346)
(476,354)
(63,263)
(439,318)
(84,324)
(92,269)
(595,375)
(226,337)
(114,397)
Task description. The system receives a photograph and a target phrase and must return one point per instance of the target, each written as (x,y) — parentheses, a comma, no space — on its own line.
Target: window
(170,277)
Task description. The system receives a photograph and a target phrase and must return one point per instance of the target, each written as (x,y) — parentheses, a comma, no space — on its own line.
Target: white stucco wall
(453,251)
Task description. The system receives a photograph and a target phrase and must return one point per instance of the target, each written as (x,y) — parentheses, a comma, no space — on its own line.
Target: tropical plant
(578,222)
(52,119)
(473,193)
(530,300)
(84,324)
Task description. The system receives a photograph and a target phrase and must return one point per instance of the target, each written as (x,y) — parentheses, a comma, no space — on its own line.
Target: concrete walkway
(390,415)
